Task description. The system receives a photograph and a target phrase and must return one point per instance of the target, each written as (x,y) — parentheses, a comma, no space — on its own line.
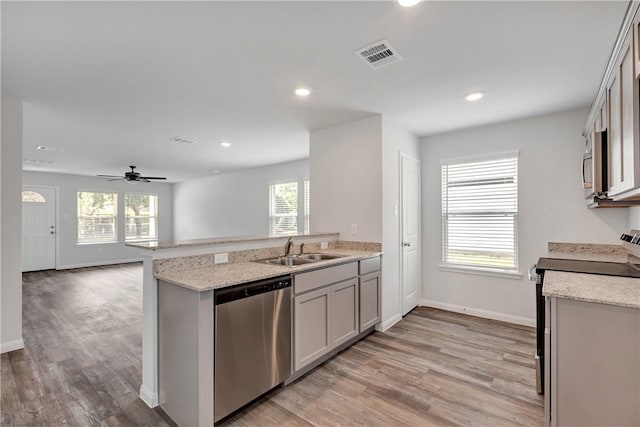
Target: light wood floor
(81,366)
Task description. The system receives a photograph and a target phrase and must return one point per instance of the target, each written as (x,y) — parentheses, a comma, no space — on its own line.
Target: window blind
(480,213)
(284,208)
(307,226)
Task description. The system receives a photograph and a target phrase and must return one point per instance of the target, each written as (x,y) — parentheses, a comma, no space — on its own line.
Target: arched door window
(33,197)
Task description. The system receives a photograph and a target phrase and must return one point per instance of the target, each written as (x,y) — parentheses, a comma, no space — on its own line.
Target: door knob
(405,244)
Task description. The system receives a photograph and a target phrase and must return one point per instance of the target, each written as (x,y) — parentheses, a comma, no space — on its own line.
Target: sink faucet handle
(287,246)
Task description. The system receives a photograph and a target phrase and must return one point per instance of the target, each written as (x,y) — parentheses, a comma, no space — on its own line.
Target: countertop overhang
(595,288)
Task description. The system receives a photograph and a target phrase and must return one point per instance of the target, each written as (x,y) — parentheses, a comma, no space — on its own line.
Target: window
(284,208)
(480,213)
(140,217)
(97,216)
(288,209)
(33,197)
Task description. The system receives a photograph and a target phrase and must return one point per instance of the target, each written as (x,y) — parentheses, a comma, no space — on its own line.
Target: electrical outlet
(221,258)
(354,228)
(324,245)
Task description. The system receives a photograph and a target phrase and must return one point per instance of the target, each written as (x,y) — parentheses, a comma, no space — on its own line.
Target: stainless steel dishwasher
(252,342)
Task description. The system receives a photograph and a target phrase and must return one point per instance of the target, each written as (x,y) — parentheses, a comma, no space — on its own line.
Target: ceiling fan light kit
(132,177)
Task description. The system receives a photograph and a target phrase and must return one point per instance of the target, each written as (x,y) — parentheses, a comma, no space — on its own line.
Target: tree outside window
(284,209)
(141,217)
(97,217)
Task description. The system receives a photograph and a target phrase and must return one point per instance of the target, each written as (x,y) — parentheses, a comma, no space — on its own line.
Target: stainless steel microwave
(594,167)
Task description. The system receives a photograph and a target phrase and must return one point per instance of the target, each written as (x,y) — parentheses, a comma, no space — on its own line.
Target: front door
(410,224)
(38,228)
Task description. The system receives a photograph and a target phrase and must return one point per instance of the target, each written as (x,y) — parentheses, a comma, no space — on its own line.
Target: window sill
(480,271)
(114,242)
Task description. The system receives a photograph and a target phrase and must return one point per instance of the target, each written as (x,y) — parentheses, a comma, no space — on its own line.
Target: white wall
(11,226)
(634,218)
(346,179)
(232,204)
(551,208)
(69,253)
(395,139)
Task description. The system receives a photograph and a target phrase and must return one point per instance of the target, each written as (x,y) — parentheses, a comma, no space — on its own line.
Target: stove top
(589,267)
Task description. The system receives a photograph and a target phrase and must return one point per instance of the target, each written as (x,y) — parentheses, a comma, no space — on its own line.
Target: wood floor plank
(81,366)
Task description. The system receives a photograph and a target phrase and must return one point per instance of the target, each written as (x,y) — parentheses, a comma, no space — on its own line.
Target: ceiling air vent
(379,54)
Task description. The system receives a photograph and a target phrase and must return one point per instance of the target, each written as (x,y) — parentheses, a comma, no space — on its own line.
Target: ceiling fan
(131,177)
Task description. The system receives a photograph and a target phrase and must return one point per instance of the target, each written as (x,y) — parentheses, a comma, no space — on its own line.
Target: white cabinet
(624,141)
(370,291)
(312,323)
(344,312)
(326,313)
(593,364)
(333,306)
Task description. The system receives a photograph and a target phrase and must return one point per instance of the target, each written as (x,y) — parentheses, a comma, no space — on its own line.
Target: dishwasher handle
(249,292)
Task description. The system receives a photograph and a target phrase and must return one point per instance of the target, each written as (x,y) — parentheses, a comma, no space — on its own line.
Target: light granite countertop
(612,290)
(224,275)
(587,252)
(153,245)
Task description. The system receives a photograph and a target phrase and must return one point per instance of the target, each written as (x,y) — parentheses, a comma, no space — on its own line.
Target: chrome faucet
(287,246)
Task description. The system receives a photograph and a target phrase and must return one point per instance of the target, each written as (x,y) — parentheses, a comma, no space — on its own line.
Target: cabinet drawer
(304,282)
(369,265)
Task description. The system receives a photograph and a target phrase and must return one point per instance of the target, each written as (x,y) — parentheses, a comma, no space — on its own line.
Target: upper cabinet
(615,118)
(635,32)
(624,145)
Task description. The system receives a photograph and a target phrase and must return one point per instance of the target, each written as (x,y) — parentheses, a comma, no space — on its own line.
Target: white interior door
(410,231)
(38,228)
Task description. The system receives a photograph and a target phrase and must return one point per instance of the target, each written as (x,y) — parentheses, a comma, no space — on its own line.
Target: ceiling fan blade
(116,179)
(110,176)
(152,177)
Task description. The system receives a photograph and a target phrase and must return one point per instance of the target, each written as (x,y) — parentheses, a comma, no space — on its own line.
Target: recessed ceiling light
(408,3)
(302,91)
(474,96)
(215,172)
(225,144)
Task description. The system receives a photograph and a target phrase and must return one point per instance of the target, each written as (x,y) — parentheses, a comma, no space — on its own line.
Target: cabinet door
(615,133)
(602,116)
(595,364)
(636,44)
(623,101)
(369,301)
(344,311)
(312,327)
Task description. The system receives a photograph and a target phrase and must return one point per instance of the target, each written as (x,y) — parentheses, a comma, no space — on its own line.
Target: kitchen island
(206,264)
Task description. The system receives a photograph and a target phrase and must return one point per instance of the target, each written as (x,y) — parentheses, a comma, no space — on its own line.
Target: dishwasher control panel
(249,289)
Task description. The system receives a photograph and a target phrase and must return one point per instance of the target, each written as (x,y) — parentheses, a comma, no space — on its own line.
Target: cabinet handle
(405,244)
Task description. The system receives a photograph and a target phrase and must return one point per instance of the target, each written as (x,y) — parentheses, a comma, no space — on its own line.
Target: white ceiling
(111,82)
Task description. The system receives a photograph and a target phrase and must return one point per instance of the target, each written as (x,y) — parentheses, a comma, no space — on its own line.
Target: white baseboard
(6,347)
(509,318)
(381,327)
(151,399)
(98,263)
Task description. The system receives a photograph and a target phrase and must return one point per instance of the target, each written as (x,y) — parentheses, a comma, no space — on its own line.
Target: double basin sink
(302,259)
